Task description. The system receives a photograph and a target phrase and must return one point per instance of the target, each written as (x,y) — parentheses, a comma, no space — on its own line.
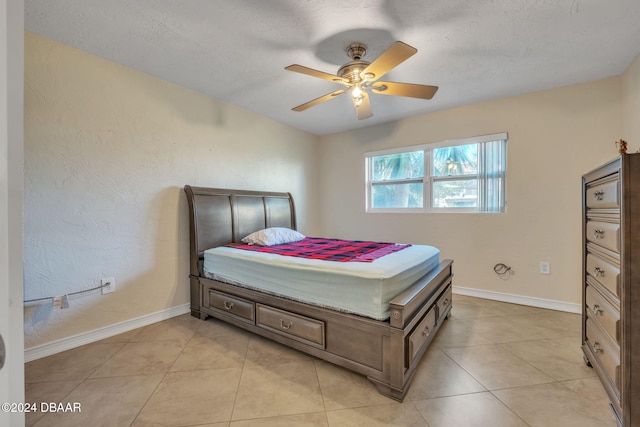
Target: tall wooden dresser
(611,281)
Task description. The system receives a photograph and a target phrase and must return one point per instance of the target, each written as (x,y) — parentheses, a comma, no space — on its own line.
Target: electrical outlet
(108,285)
(545,267)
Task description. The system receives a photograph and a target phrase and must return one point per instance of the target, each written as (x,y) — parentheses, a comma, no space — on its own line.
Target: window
(465,175)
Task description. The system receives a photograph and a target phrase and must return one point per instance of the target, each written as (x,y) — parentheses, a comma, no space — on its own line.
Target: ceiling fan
(361,77)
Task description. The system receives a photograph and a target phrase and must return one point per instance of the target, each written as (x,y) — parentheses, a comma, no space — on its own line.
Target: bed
(385,345)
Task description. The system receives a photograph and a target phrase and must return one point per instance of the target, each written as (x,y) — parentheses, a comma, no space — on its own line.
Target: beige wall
(554,137)
(631,106)
(107,152)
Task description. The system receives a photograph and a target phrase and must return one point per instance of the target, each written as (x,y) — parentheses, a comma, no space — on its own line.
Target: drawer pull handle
(287,326)
(598,272)
(426,332)
(597,310)
(598,233)
(597,348)
(445,302)
(599,195)
(227,305)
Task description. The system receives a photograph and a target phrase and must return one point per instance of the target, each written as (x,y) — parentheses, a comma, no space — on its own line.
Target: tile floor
(492,364)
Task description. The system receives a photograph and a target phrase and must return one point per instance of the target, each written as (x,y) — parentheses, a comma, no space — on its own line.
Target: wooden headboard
(220,216)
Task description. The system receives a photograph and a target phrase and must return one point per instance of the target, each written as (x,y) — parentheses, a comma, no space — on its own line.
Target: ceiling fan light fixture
(356,91)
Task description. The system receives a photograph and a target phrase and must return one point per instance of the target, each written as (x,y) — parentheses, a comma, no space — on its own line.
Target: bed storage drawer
(300,328)
(229,304)
(444,304)
(422,335)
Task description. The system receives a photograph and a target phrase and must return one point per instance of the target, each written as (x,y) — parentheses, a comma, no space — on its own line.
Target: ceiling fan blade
(390,58)
(405,89)
(314,73)
(363,109)
(318,100)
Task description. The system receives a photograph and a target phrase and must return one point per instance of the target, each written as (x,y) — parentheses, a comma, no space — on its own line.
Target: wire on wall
(503,271)
(40,301)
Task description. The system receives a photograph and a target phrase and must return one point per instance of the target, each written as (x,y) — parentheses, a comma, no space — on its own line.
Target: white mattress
(355,287)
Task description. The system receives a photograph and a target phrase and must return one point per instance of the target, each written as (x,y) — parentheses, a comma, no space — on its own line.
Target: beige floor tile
(469,410)
(560,358)
(588,388)
(551,324)
(213,327)
(495,368)
(276,390)
(191,398)
(179,329)
(214,345)
(315,419)
(438,376)
(74,364)
(550,405)
(263,352)
(393,414)
(141,358)
(466,307)
(105,402)
(212,352)
(455,332)
(503,329)
(342,388)
(36,393)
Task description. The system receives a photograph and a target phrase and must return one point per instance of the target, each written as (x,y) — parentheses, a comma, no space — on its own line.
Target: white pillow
(273,236)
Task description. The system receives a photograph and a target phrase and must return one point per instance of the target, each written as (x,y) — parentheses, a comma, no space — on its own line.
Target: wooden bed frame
(386,352)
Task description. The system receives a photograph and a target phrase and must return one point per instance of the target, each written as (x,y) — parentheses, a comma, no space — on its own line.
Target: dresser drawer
(604,195)
(606,273)
(229,304)
(303,329)
(605,234)
(604,313)
(422,335)
(607,355)
(444,304)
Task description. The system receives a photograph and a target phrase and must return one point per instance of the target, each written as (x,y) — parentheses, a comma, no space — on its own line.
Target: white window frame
(428,179)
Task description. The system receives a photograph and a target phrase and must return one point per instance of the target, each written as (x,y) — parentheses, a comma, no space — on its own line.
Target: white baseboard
(519,299)
(74,341)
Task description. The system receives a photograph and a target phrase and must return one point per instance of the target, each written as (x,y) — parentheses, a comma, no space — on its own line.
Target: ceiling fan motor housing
(351,70)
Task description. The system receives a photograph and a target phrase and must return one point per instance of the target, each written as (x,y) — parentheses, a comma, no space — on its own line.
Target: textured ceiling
(236,51)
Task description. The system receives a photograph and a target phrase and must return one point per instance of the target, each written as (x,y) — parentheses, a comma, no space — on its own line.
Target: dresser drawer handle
(597,348)
(598,233)
(599,195)
(445,302)
(598,272)
(227,305)
(426,332)
(597,310)
(287,326)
